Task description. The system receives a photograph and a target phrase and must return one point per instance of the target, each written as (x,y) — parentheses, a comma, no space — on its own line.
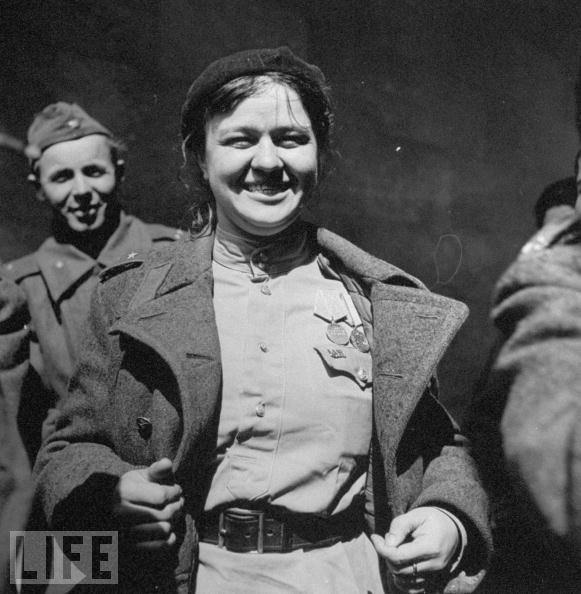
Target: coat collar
(185,260)
(356,262)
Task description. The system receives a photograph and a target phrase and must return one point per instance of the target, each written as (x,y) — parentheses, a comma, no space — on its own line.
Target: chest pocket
(347,361)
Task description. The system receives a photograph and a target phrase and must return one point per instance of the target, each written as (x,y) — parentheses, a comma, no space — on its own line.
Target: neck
(90,242)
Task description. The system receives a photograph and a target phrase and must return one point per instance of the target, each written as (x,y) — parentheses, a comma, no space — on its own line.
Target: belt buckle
(223,531)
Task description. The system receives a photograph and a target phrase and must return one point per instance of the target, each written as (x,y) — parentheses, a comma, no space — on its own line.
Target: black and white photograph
(290,296)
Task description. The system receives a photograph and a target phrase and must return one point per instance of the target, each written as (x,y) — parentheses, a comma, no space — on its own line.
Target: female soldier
(271,362)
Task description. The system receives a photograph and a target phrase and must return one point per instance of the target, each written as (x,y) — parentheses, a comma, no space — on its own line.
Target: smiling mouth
(85,214)
(267,189)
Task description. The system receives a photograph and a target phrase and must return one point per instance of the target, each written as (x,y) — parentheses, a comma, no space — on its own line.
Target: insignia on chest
(337,353)
(347,361)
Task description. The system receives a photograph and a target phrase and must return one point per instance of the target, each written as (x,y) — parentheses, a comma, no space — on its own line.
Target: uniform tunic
(58,280)
(295,422)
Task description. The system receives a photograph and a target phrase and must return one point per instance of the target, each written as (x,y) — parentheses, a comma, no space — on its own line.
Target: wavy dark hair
(316,101)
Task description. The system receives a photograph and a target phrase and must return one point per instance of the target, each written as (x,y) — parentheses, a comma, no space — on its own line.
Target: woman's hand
(418,545)
(147,505)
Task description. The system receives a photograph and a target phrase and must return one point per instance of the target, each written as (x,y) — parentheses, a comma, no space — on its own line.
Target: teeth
(265,189)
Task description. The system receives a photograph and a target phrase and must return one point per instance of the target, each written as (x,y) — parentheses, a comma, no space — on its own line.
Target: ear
(33,181)
(120,170)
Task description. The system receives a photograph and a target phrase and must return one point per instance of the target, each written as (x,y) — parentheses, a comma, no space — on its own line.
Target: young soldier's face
(79,180)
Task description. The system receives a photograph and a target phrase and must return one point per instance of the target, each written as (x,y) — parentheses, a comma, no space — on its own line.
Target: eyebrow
(278,130)
(58,170)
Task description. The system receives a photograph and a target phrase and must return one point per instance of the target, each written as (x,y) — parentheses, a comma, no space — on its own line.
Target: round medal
(337,334)
(359,341)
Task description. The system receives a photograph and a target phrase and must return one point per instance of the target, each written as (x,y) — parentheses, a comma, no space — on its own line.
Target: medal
(336,333)
(359,341)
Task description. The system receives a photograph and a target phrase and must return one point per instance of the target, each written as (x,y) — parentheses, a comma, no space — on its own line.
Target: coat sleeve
(538,308)
(14,343)
(451,481)
(77,469)
(15,484)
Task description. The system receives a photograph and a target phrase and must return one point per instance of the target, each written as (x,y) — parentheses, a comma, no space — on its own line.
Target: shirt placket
(262,393)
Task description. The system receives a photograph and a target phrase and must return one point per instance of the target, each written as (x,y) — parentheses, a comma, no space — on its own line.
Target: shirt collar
(262,256)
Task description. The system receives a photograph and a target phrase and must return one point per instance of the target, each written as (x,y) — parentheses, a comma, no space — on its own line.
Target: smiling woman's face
(261,161)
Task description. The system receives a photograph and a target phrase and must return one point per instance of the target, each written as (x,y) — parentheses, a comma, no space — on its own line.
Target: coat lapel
(412,330)
(172,312)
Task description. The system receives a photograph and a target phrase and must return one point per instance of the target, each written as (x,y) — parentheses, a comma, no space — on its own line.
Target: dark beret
(256,61)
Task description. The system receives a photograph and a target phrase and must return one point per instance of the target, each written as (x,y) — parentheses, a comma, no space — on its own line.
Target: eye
(94,171)
(240,141)
(61,176)
(293,139)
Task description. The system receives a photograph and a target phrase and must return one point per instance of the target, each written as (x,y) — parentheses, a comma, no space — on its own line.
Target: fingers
(418,548)
(147,507)
(153,536)
(152,531)
(154,486)
(130,514)
(402,528)
(161,471)
(140,497)
(402,555)
(409,553)
(137,491)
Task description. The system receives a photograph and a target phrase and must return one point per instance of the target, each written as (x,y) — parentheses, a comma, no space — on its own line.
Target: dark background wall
(452,116)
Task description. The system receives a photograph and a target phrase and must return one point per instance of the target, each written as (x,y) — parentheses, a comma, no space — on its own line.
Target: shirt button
(265,290)
(362,374)
(59,264)
(263,347)
(260,409)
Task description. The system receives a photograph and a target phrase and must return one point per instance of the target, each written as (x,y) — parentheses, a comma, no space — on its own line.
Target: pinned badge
(144,427)
(337,353)
(359,340)
(337,334)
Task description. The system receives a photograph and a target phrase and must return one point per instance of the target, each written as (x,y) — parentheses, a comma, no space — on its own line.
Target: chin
(268,228)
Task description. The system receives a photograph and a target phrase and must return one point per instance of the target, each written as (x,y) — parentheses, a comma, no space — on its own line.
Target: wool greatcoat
(528,434)
(152,353)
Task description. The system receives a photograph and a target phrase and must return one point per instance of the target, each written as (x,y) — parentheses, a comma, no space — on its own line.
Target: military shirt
(296,416)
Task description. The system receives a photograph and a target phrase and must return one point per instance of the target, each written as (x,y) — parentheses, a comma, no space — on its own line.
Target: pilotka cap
(60,122)
(256,61)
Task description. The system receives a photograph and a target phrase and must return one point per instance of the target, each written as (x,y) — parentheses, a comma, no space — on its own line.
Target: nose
(80,186)
(82,192)
(266,157)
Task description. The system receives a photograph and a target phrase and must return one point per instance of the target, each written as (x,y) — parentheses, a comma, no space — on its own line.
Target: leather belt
(271,531)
